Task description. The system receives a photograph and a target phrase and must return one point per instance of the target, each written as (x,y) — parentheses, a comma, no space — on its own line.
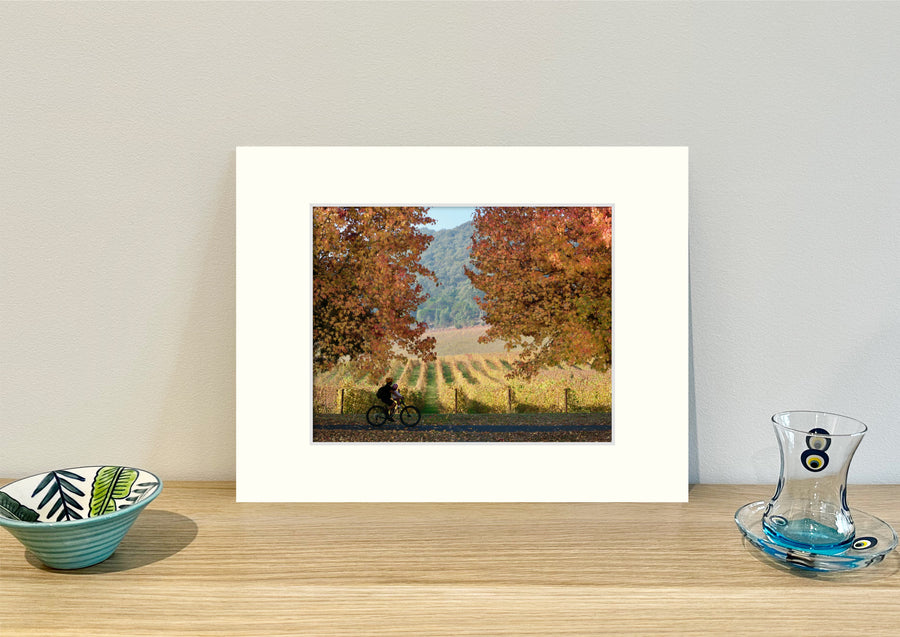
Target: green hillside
(451,303)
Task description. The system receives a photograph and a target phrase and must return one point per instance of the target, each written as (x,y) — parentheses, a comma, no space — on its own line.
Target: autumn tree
(365,293)
(546,278)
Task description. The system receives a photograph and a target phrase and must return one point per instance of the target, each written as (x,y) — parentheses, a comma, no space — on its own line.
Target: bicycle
(409,415)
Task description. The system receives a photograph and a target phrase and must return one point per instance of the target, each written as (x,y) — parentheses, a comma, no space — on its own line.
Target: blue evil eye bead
(818,442)
(778,520)
(863,543)
(814,460)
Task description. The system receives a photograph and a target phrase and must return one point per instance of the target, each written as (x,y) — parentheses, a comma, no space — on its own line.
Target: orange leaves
(546,274)
(602,219)
(365,261)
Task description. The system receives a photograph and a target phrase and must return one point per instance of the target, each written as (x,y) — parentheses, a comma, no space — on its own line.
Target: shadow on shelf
(155,536)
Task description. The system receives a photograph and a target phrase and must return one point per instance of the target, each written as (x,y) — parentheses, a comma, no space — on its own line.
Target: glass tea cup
(809,510)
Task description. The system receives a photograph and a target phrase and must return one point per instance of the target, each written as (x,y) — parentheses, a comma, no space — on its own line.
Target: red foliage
(365,294)
(546,275)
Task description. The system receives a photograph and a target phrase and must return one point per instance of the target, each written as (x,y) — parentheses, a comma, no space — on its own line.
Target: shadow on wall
(865,387)
(197,410)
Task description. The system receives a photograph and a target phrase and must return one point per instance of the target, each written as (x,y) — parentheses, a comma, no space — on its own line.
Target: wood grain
(197,563)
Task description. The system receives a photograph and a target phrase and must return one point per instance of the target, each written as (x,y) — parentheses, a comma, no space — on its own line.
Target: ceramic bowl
(72,518)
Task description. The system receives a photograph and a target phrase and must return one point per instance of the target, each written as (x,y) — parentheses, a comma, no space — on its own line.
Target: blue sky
(449,217)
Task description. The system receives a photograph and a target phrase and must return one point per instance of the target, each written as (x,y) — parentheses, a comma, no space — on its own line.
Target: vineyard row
(471,383)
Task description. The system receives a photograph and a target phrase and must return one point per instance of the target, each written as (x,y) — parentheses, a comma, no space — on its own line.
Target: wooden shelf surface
(197,563)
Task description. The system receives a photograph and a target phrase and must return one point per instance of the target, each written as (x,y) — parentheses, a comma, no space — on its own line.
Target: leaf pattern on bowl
(110,484)
(138,493)
(57,484)
(12,508)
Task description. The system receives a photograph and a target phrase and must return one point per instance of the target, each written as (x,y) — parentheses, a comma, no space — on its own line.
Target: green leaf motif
(138,494)
(110,484)
(57,483)
(10,507)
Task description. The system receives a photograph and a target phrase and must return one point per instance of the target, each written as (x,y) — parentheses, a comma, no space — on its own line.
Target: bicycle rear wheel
(410,416)
(376,416)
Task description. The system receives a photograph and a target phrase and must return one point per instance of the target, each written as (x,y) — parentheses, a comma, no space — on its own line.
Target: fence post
(509,400)
(455,400)
(566,401)
(342,400)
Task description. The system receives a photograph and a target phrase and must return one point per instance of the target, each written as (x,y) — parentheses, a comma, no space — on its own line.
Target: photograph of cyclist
(468,324)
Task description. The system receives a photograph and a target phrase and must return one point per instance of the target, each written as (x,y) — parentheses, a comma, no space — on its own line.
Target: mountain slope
(450,304)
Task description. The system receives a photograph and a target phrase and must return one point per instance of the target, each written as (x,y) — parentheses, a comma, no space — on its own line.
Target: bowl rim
(134,508)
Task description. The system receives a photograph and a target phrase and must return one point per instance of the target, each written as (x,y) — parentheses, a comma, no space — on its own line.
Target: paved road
(474,423)
(424,426)
(579,427)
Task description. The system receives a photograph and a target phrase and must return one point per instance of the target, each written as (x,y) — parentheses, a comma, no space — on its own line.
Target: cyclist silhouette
(386,394)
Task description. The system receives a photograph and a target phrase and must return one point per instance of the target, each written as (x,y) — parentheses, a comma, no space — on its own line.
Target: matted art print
(462,324)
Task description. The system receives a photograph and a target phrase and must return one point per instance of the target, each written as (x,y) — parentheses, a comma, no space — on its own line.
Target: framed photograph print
(448,324)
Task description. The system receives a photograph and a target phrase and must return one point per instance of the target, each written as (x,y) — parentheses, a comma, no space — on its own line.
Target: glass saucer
(874,539)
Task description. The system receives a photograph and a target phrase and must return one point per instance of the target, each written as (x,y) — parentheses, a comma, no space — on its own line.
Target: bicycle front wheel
(410,416)
(376,416)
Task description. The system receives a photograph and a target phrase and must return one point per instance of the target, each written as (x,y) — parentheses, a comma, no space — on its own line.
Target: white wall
(118,124)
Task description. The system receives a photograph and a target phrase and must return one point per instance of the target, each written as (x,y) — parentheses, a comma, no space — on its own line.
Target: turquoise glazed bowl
(72,518)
